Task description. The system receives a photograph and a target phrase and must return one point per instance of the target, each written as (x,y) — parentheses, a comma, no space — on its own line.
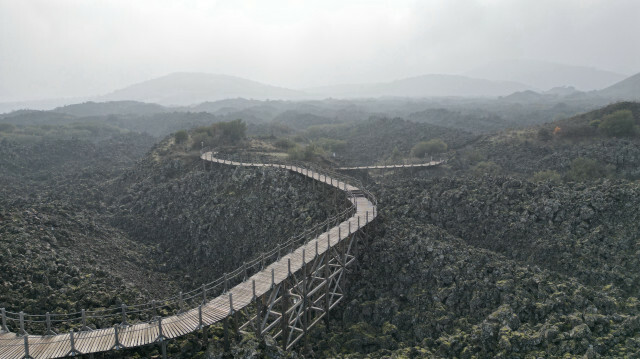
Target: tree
(181,136)
(584,169)
(618,124)
(486,168)
(547,175)
(430,147)
(544,134)
(396,155)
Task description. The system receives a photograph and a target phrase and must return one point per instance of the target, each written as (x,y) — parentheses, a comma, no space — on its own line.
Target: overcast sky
(61,48)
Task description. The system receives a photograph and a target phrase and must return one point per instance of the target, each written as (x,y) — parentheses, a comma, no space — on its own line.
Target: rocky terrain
(523,245)
(496,267)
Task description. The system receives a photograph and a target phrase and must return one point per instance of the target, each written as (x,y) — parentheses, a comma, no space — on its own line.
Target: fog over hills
(434,85)
(192,88)
(627,89)
(547,75)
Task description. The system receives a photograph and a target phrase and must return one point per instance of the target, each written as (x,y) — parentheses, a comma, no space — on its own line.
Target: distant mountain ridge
(627,89)
(186,88)
(434,85)
(547,75)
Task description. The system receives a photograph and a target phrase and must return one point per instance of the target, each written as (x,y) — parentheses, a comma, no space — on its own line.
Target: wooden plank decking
(12,346)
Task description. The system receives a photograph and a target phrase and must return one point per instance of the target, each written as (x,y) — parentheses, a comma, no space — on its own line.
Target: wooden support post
(200,325)
(161,336)
(117,344)
(225,326)
(226,283)
(73,351)
(327,289)
(305,302)
(258,319)
(232,312)
(163,345)
(284,307)
(26,348)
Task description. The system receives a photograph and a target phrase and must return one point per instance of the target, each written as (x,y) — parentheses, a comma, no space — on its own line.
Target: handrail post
(22,331)
(204,294)
(200,317)
(316,249)
(124,315)
(244,270)
(84,321)
(226,283)
(48,321)
(180,303)
(4,328)
(273,278)
(155,309)
(366,217)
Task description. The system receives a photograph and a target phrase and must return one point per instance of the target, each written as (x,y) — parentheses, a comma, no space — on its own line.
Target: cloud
(54,48)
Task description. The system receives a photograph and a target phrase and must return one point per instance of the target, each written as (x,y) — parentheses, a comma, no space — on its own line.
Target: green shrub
(284,144)
(7,127)
(547,175)
(306,153)
(332,145)
(430,147)
(181,136)
(486,168)
(618,124)
(584,169)
(544,134)
(219,133)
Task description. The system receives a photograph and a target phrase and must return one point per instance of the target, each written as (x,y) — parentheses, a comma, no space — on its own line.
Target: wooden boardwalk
(372,167)
(14,346)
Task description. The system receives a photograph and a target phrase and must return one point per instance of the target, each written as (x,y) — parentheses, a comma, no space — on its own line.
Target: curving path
(426,164)
(14,346)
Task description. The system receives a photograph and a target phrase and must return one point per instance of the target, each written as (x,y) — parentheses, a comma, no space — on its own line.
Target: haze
(67,48)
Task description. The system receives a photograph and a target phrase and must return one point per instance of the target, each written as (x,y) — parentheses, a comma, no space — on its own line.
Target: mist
(67,48)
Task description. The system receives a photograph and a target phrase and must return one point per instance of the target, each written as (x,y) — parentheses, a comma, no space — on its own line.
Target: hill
(627,89)
(546,75)
(192,88)
(424,86)
(111,108)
